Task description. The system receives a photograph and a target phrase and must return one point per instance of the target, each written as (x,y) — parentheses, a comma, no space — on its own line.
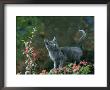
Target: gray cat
(60,54)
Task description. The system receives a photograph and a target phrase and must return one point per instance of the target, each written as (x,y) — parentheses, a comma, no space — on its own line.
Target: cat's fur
(60,54)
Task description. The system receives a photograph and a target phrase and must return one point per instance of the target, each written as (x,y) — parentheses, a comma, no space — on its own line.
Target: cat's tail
(83,35)
(82,38)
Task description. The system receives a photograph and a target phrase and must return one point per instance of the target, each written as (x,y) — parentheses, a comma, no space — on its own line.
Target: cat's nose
(45,40)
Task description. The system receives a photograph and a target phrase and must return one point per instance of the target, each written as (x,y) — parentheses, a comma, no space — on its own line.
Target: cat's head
(51,45)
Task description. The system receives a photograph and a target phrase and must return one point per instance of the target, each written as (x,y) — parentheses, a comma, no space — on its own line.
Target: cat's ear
(54,39)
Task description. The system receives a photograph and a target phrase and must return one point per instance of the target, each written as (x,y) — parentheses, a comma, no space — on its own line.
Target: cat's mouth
(46,41)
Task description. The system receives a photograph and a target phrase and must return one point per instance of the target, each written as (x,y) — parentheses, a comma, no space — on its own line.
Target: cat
(60,54)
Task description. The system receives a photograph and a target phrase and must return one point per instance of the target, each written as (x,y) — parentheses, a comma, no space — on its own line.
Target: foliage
(82,68)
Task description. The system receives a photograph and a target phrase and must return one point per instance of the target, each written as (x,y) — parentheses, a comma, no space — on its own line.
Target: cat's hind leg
(78,60)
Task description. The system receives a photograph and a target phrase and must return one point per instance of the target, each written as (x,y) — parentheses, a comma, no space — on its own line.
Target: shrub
(82,68)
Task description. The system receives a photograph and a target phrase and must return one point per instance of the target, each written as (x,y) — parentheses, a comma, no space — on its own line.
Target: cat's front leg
(61,64)
(55,64)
